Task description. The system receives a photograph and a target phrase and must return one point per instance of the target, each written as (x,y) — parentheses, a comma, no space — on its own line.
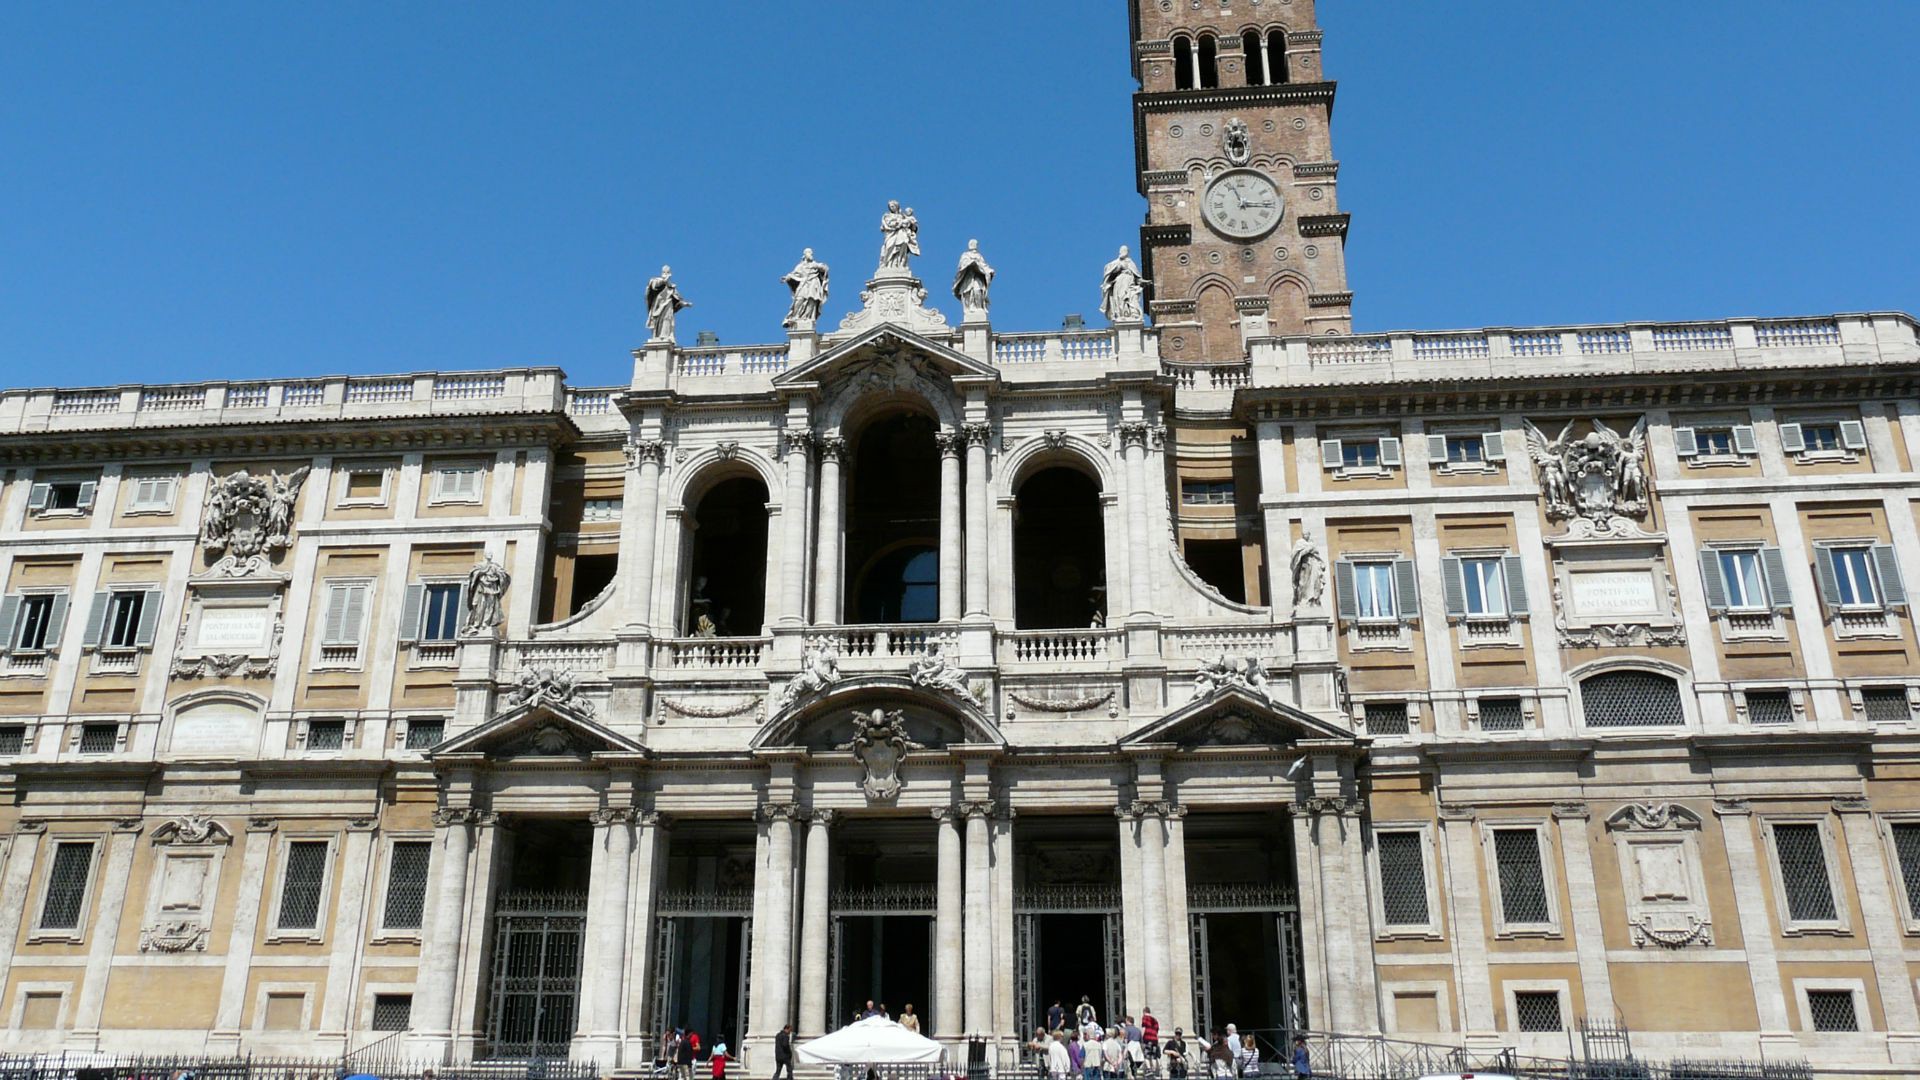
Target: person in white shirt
(1113,1055)
(1057,1061)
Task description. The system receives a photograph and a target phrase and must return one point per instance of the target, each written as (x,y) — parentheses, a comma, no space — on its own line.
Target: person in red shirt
(720,1060)
(1149,1034)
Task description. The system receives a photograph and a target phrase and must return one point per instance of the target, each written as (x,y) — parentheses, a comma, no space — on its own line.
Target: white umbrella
(873,1041)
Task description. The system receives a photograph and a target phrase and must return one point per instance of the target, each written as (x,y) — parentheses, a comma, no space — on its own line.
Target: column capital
(1566,811)
(1163,809)
(658,819)
(977,434)
(777,811)
(945,815)
(796,442)
(951,443)
(463,815)
(267,824)
(986,809)
(823,817)
(829,447)
(30,826)
(645,451)
(1134,433)
(1335,805)
(1733,808)
(612,815)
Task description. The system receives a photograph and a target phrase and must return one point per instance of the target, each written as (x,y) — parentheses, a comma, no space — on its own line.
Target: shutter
(1406,595)
(356,614)
(97,620)
(1513,572)
(38,495)
(1390,452)
(1823,574)
(1791,440)
(1330,453)
(1712,581)
(56,621)
(1344,600)
(1685,444)
(410,613)
(9,615)
(1493,446)
(1773,566)
(1743,439)
(1893,590)
(1436,449)
(335,623)
(1453,581)
(1853,434)
(87,490)
(149,618)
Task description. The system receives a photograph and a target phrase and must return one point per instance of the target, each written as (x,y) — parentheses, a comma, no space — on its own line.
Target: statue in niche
(249,516)
(808,283)
(1309,573)
(1120,289)
(899,236)
(971,280)
(664,302)
(880,744)
(486,598)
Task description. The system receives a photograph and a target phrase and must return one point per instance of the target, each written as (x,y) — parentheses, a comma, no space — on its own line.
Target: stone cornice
(1165,235)
(290,438)
(1325,225)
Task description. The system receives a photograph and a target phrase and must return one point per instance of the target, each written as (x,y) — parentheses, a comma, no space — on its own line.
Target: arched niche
(216,724)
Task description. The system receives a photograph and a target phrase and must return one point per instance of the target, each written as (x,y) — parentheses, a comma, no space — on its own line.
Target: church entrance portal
(1066,919)
(881,908)
(703,933)
(539,922)
(1244,924)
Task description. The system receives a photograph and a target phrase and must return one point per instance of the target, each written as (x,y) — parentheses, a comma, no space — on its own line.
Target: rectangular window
(425,733)
(1832,1010)
(1742,577)
(1502,714)
(407,884)
(68,495)
(1486,588)
(1769,707)
(458,483)
(34,626)
(1466,450)
(1853,576)
(1206,492)
(1403,878)
(1523,883)
(346,613)
(1387,718)
(366,485)
(1360,454)
(326,734)
(1906,851)
(1885,704)
(392,1012)
(1817,437)
(67,886)
(122,627)
(600,510)
(1714,442)
(99,738)
(152,495)
(13,740)
(440,612)
(1536,1010)
(1803,872)
(306,875)
(1373,590)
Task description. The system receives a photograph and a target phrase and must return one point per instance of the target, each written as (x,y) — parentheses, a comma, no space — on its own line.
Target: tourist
(783,1053)
(684,1047)
(908,1020)
(719,1060)
(1090,1054)
(870,1010)
(1302,1062)
(1249,1057)
(1037,1045)
(1058,1061)
(1084,1014)
(1176,1054)
(1149,1032)
(1056,1016)
(1220,1063)
(1136,1054)
(1074,1059)
(669,1049)
(1113,1055)
(884,1014)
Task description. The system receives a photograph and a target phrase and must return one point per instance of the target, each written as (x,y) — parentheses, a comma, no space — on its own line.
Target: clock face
(1243,204)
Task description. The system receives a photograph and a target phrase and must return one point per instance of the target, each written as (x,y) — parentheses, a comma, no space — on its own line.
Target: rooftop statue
(971,280)
(1120,289)
(808,283)
(663,303)
(899,236)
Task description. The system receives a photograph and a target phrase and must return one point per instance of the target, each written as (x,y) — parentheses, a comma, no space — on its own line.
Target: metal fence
(391,1065)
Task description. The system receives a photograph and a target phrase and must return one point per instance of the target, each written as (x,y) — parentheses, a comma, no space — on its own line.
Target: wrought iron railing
(66,1065)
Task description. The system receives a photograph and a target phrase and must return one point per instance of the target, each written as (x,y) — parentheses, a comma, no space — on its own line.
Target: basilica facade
(1461,686)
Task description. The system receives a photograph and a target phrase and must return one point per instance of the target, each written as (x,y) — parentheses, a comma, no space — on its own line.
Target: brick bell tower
(1233,152)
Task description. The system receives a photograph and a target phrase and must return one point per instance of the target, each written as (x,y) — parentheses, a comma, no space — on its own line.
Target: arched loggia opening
(1059,551)
(893,522)
(726,593)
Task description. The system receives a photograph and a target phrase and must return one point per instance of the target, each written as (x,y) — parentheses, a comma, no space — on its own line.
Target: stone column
(650,843)
(1177,1010)
(1880,911)
(1467,922)
(433,1000)
(951,444)
(1589,938)
(826,569)
(606,938)
(979,934)
(646,456)
(1151,820)
(977,436)
(814,918)
(1756,927)
(793,544)
(1133,438)
(349,927)
(947,957)
(225,1036)
(1346,915)
(776,988)
(104,935)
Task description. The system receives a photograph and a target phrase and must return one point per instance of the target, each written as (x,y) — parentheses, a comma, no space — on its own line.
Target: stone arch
(1219,319)
(1287,293)
(709,466)
(1073,451)
(811,722)
(859,401)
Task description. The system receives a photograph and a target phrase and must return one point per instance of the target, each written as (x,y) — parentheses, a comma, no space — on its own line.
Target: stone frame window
(1377,597)
(1206,492)
(1817,997)
(1715,443)
(1466,451)
(300,853)
(1803,903)
(151,494)
(1413,852)
(33,621)
(1901,835)
(1360,454)
(1812,439)
(1662,875)
(390,1011)
(403,886)
(1766,706)
(1485,591)
(74,897)
(1883,703)
(1501,714)
(1509,870)
(459,481)
(1607,694)
(65,496)
(354,490)
(1526,998)
(423,732)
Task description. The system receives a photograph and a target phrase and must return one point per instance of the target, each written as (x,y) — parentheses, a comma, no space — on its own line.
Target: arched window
(1631,698)
(1255,56)
(902,587)
(1059,552)
(1183,63)
(1208,68)
(726,587)
(1276,57)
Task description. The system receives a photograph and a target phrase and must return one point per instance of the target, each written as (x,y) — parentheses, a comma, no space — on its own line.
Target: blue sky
(237,189)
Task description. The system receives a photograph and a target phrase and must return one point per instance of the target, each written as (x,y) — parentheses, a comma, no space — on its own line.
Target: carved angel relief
(1595,480)
(250,517)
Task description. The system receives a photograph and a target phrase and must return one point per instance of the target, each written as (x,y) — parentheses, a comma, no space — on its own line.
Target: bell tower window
(1207,66)
(1276,57)
(1183,60)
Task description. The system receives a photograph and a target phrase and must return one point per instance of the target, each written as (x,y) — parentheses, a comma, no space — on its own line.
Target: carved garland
(710,712)
(1090,701)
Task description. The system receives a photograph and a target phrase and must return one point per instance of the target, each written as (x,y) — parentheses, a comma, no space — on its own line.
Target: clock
(1242,204)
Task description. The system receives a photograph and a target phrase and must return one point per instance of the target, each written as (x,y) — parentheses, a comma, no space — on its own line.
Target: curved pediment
(1233,715)
(538,730)
(826,721)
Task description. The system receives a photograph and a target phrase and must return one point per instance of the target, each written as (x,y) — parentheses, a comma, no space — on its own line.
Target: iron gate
(533,1000)
(876,902)
(1031,903)
(676,907)
(1277,901)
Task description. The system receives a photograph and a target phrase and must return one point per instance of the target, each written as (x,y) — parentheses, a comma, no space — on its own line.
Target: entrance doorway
(1066,918)
(881,907)
(539,923)
(703,933)
(1244,924)
(886,959)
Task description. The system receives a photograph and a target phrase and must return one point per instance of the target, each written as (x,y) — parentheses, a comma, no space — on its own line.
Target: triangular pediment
(539,730)
(885,345)
(1235,716)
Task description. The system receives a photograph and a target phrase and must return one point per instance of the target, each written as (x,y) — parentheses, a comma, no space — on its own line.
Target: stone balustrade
(1061,646)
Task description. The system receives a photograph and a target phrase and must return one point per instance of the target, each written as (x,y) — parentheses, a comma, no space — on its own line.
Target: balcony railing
(1062,646)
(579,657)
(882,642)
(1209,642)
(706,652)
